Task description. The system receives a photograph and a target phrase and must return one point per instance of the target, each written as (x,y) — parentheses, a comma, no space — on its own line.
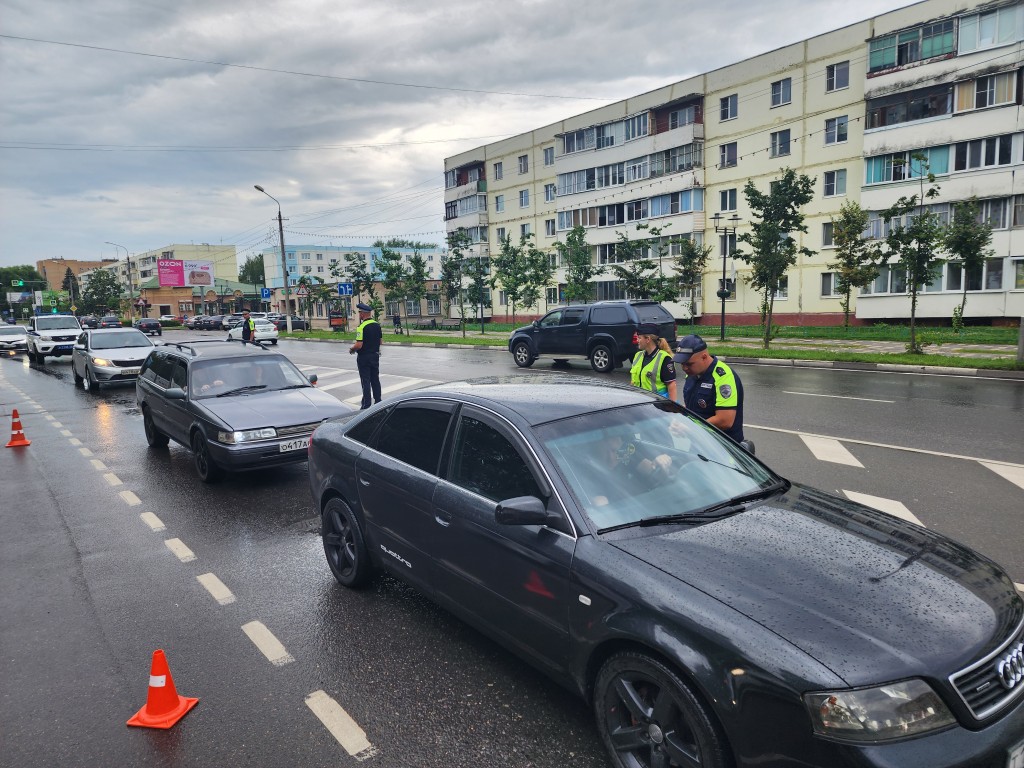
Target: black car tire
(74,373)
(31,355)
(274,342)
(207,470)
(648,716)
(90,384)
(344,545)
(522,355)
(154,436)
(601,359)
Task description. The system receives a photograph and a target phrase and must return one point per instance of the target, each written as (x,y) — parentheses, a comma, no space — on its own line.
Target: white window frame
(727,199)
(498,171)
(778,145)
(549,193)
(782,92)
(499,203)
(828,234)
(833,76)
(831,277)
(524,164)
(723,155)
(549,155)
(728,107)
(524,198)
(837,130)
(837,183)
(549,227)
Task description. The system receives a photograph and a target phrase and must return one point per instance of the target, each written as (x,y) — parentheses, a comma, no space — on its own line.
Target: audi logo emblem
(1011,667)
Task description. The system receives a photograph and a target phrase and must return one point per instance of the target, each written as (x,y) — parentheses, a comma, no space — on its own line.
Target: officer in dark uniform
(367,351)
(712,389)
(248,328)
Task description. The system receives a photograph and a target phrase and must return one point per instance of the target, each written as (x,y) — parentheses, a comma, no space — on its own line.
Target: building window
(829,285)
(729,107)
(524,198)
(500,234)
(499,203)
(524,230)
(837,76)
(636,127)
(451,210)
(987,277)
(782,92)
(524,163)
(987,30)
(911,45)
(730,286)
(836,129)
(637,169)
(549,227)
(450,179)
(727,200)
(835,182)
(909,106)
(577,141)
(681,117)
(989,91)
(995,212)
(553,260)
(549,193)
(780,143)
(551,295)
(727,155)
(636,210)
(306,256)
(498,172)
(1018,274)
(827,240)
(982,153)
(726,244)
(900,166)
(782,290)
(549,155)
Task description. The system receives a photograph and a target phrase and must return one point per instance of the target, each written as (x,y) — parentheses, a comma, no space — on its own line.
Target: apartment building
(843,107)
(55,270)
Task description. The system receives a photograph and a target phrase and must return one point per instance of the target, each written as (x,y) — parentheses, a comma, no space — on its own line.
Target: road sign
(265,293)
(74,308)
(302,291)
(345,289)
(53,302)
(140,303)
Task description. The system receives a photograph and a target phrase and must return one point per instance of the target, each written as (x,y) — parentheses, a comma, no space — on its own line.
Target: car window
(83,338)
(551,319)
(608,316)
(159,368)
(120,340)
(486,462)
(179,374)
(653,313)
(573,316)
(57,323)
(415,434)
(363,431)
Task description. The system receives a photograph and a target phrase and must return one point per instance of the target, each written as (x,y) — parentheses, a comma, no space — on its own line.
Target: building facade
(55,270)
(846,108)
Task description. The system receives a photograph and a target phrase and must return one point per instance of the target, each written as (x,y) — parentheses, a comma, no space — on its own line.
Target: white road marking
(323,373)
(130,498)
(97,464)
(49,417)
(56,424)
(113,479)
(341,725)
(74,441)
(889,506)
(407,384)
(154,522)
(1014,474)
(85,451)
(183,553)
(838,397)
(826,449)
(269,645)
(216,588)
(66,432)
(1020,587)
(336,384)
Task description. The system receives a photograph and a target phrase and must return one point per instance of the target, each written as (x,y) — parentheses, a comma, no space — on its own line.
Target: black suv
(237,407)
(604,332)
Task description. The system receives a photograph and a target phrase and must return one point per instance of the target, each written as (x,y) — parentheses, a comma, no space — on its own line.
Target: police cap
(688,346)
(648,329)
(364,307)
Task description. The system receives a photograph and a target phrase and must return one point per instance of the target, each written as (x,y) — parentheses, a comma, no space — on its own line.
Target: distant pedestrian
(367,351)
(397,320)
(712,390)
(652,365)
(248,328)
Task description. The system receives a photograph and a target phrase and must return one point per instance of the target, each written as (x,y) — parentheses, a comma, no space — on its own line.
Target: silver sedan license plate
(294,445)
(130,371)
(1016,757)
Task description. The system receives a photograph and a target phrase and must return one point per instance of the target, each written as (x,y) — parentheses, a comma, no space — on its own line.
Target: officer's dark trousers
(369,377)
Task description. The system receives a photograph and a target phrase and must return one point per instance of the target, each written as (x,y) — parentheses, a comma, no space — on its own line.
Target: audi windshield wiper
(237,390)
(743,498)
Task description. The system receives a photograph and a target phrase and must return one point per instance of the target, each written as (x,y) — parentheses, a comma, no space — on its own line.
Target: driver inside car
(622,467)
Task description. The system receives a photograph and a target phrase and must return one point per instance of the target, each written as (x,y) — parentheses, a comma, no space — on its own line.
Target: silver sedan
(109,355)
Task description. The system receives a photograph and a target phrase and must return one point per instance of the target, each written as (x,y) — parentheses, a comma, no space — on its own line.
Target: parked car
(298,323)
(236,406)
(110,321)
(108,356)
(603,332)
(211,323)
(265,331)
(14,338)
(168,318)
(149,325)
(712,612)
(89,321)
(190,322)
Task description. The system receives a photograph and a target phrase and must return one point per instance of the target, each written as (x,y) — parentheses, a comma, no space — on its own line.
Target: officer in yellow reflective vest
(653,369)
(248,328)
(367,351)
(712,389)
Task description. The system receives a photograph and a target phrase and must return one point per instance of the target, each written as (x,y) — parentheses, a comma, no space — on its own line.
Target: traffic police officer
(711,390)
(248,328)
(652,364)
(367,351)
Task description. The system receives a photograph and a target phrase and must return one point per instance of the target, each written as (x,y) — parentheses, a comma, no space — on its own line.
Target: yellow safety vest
(649,376)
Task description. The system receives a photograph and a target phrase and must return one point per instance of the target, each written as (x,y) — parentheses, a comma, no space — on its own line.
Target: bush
(170,324)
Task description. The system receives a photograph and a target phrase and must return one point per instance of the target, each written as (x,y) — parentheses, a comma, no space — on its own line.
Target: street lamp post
(284,262)
(128,262)
(729,230)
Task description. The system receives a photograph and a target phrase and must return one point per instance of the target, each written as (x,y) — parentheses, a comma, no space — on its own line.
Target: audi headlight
(893,711)
(246,436)
(101,362)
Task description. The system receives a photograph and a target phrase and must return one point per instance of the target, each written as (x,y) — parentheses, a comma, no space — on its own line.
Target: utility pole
(284,262)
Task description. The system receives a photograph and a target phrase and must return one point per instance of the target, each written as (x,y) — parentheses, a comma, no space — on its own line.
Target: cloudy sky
(148,122)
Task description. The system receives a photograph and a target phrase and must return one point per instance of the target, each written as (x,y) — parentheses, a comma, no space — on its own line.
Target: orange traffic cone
(17,435)
(164,707)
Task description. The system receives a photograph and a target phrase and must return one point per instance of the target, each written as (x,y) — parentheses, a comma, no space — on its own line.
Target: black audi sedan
(712,612)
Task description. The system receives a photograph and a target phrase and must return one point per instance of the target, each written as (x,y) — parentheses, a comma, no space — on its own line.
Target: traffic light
(17,283)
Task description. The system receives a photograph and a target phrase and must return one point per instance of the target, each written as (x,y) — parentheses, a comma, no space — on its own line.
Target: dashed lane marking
(826,449)
(97,464)
(1014,474)
(56,424)
(838,397)
(183,553)
(113,479)
(216,588)
(74,441)
(268,645)
(66,432)
(130,498)
(336,384)
(85,451)
(341,725)
(49,417)
(407,384)
(154,522)
(889,506)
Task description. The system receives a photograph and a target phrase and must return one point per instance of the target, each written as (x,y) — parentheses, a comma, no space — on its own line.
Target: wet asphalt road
(90,590)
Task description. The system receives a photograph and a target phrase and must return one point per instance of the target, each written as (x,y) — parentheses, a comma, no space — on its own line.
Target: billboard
(174,273)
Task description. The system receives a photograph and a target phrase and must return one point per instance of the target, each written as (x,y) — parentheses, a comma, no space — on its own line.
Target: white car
(164,318)
(265,331)
(13,338)
(108,356)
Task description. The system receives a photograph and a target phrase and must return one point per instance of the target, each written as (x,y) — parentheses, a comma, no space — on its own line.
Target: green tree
(856,263)
(416,287)
(539,273)
(510,270)
(103,291)
(665,287)
(580,269)
(478,270)
(70,284)
(689,266)
(967,240)
(773,249)
(636,269)
(453,264)
(915,236)
(357,269)
(252,271)
(398,242)
(394,276)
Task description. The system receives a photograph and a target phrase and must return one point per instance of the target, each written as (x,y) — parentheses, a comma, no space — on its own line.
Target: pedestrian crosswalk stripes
(338,384)
(1012,473)
(827,449)
(889,506)
(402,385)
